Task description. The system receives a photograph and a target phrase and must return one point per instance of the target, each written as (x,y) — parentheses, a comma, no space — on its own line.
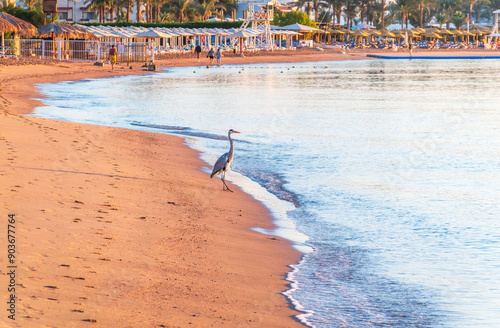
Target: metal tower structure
(260,20)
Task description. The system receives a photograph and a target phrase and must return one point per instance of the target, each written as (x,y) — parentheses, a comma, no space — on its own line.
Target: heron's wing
(219,165)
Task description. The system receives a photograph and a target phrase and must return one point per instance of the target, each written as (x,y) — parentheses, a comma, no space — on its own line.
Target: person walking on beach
(198,52)
(410,48)
(218,55)
(112,56)
(211,55)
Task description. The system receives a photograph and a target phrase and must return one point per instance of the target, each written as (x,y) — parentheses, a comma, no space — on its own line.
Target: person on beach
(218,55)
(211,55)
(112,56)
(410,48)
(198,52)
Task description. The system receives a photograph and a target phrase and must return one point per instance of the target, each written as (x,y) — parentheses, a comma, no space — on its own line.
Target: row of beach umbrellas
(409,33)
(12,24)
(138,32)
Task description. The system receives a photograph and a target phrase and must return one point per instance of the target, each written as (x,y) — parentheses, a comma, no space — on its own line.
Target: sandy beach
(122,228)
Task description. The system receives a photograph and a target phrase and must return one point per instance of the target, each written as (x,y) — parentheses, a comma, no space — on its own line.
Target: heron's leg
(222,178)
(224,181)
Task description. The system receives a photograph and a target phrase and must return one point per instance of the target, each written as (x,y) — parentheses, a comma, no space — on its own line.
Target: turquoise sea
(386,174)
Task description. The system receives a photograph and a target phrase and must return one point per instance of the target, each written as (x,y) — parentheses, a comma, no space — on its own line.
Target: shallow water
(390,168)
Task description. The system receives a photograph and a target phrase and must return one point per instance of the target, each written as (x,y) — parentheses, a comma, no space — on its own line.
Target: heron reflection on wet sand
(224,162)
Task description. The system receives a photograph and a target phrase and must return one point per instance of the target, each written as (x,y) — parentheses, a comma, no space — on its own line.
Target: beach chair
(7,52)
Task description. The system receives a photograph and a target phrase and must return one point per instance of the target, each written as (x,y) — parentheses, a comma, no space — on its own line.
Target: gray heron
(224,162)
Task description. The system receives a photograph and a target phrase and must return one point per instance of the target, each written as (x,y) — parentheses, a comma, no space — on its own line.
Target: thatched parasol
(66,31)
(12,24)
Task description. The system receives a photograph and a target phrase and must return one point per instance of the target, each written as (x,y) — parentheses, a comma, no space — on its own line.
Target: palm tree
(404,9)
(424,6)
(365,9)
(336,8)
(350,11)
(306,4)
(206,9)
(138,11)
(448,8)
(441,19)
(480,6)
(180,8)
(99,6)
(382,13)
(316,4)
(471,4)
(29,3)
(127,4)
(458,19)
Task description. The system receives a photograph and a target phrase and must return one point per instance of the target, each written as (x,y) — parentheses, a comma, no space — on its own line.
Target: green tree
(99,6)
(293,17)
(480,9)
(441,19)
(404,9)
(424,6)
(458,19)
(180,8)
(207,8)
(336,9)
(448,8)
(33,16)
(306,4)
(350,11)
(382,13)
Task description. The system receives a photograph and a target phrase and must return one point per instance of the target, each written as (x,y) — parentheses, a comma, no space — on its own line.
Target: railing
(80,51)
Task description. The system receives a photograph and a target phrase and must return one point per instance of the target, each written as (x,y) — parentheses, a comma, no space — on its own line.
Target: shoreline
(70,185)
(76,162)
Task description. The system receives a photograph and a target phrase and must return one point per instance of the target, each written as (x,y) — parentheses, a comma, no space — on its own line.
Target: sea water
(386,174)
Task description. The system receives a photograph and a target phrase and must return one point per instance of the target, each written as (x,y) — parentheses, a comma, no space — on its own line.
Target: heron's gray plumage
(224,162)
(220,165)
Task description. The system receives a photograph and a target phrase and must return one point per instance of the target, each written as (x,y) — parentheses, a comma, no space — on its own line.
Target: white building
(74,11)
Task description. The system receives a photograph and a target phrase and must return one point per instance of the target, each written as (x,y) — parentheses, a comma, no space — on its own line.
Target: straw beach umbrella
(9,23)
(432,35)
(12,24)
(64,31)
(359,34)
(387,34)
(67,31)
(444,32)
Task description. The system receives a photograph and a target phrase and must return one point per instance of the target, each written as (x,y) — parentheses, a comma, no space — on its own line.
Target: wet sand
(121,228)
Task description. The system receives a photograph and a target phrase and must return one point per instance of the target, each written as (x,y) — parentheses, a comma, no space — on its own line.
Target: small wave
(294,286)
(163,127)
(274,183)
(186,131)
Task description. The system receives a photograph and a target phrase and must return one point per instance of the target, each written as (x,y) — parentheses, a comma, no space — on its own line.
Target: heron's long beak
(236,132)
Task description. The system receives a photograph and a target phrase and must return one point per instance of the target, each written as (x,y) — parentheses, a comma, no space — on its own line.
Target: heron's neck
(231,146)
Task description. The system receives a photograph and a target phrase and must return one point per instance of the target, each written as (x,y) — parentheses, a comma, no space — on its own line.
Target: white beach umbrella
(152,34)
(241,34)
(299,27)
